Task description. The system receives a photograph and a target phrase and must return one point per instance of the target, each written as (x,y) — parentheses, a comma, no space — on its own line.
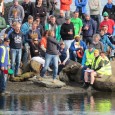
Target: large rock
(48,83)
(72,72)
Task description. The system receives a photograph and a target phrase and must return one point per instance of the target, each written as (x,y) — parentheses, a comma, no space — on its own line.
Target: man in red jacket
(65,6)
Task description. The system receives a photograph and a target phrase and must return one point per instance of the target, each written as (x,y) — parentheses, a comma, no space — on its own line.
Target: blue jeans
(16,55)
(48,59)
(3,80)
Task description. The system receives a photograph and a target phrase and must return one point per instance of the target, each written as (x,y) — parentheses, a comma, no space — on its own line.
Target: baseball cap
(90,46)
(105,14)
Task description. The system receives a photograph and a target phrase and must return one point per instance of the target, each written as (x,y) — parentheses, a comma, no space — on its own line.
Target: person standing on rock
(4,64)
(51,55)
(16,38)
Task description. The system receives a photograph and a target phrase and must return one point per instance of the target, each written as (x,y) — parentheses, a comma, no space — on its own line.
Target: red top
(110,23)
(43,42)
(65,5)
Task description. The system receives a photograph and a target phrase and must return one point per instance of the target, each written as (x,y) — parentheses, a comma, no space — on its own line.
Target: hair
(50,32)
(17,23)
(35,22)
(95,36)
(46,32)
(52,16)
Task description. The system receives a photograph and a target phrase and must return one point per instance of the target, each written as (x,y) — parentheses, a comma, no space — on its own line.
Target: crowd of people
(37,31)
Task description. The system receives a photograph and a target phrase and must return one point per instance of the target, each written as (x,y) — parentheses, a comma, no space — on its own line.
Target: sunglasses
(7,41)
(35,40)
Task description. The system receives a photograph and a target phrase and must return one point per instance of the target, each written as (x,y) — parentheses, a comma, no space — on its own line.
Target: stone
(72,72)
(48,83)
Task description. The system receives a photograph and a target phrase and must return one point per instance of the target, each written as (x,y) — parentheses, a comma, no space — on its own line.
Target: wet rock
(71,72)
(23,77)
(48,83)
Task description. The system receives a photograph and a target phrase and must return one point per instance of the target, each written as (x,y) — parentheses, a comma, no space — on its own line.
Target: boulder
(72,72)
(48,83)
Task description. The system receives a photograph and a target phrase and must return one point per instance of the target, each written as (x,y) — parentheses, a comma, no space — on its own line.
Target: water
(68,104)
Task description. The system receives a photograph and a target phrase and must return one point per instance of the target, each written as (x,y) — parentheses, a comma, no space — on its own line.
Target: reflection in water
(71,104)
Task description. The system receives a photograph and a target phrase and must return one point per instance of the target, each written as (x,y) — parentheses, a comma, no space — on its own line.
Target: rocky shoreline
(28,87)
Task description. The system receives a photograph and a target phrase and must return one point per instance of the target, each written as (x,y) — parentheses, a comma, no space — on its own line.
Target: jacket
(92,28)
(20,11)
(88,57)
(65,5)
(25,28)
(106,42)
(2,23)
(81,5)
(4,56)
(82,44)
(110,9)
(65,28)
(52,46)
(57,30)
(28,10)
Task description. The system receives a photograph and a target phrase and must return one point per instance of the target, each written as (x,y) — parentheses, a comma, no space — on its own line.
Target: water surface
(53,104)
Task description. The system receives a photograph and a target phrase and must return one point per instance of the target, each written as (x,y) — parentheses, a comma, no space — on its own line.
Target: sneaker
(49,69)
(54,81)
(90,88)
(85,86)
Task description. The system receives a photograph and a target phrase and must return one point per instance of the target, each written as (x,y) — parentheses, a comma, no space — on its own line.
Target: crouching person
(63,57)
(96,65)
(4,64)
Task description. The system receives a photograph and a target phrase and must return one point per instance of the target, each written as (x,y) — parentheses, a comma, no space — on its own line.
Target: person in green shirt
(77,22)
(2,23)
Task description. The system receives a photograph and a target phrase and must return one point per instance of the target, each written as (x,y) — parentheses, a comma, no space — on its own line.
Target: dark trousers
(97,18)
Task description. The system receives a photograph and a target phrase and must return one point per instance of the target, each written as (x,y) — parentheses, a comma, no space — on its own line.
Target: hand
(70,32)
(2,68)
(86,27)
(87,68)
(63,63)
(59,63)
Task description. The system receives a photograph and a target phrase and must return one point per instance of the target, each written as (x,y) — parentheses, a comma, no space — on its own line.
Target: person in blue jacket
(77,47)
(106,43)
(4,64)
(81,6)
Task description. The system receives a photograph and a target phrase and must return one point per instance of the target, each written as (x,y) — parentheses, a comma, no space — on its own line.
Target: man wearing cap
(67,32)
(109,22)
(87,59)
(4,64)
(18,7)
(89,29)
(77,46)
(110,9)
(77,22)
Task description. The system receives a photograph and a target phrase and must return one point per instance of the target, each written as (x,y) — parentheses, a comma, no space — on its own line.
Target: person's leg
(3,79)
(48,59)
(75,56)
(86,84)
(55,63)
(13,59)
(18,60)
(93,74)
(82,72)
(26,53)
